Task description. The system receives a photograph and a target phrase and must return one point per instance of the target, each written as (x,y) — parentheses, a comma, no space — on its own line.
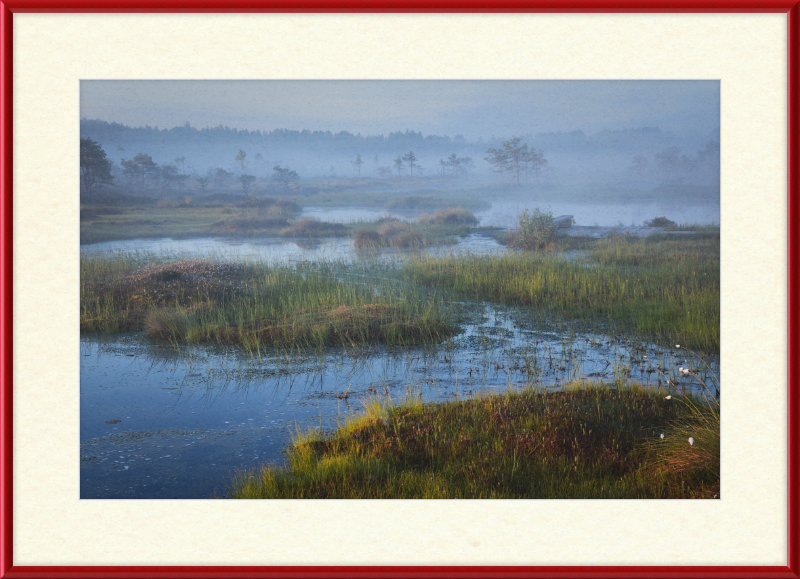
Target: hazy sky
(471,108)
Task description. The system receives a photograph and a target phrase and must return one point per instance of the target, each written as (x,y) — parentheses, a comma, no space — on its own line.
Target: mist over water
(506,213)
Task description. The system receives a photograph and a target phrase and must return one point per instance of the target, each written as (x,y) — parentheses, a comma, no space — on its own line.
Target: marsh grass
(440,228)
(194,220)
(263,217)
(700,459)
(450,216)
(665,290)
(252,304)
(588,441)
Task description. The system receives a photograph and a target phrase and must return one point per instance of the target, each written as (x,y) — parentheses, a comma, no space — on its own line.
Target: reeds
(664,290)
(252,304)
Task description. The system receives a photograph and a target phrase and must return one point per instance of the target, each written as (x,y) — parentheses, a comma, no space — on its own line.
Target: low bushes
(660,222)
(536,231)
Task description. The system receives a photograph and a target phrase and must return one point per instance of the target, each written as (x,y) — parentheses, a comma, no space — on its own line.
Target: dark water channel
(161,423)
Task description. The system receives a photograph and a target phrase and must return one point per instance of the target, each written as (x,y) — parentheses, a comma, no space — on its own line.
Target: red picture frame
(9,7)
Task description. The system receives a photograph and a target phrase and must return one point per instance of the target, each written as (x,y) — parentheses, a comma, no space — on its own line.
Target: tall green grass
(599,441)
(252,304)
(665,290)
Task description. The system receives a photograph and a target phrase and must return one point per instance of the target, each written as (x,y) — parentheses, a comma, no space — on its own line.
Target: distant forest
(637,157)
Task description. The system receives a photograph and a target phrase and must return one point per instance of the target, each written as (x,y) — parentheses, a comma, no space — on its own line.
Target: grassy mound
(450,216)
(251,304)
(586,442)
(429,230)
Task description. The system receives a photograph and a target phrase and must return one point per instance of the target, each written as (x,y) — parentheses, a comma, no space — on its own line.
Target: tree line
(140,170)
(671,165)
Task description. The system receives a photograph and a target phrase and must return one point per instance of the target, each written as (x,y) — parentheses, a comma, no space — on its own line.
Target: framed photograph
(287,237)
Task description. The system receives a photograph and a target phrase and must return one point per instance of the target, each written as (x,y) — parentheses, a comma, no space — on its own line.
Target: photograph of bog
(400,289)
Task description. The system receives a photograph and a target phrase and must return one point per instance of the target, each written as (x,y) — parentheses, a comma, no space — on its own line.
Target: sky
(474,109)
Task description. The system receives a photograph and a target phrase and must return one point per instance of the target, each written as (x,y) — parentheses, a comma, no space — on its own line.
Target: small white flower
(691,441)
(662,435)
(677,345)
(668,398)
(684,370)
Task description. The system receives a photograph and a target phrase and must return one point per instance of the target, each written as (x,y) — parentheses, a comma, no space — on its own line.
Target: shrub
(660,222)
(537,230)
